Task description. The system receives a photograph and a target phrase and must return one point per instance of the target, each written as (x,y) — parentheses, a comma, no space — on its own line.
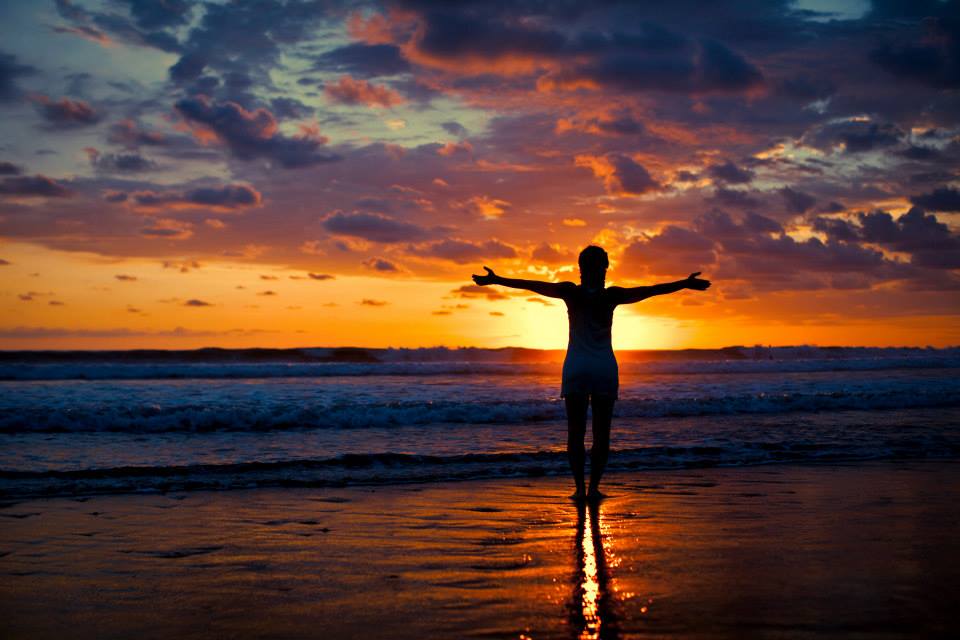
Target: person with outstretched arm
(590,374)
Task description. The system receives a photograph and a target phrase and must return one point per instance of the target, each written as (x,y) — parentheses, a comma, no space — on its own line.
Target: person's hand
(693,282)
(486,279)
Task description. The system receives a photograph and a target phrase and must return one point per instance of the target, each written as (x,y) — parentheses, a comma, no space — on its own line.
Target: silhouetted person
(590,375)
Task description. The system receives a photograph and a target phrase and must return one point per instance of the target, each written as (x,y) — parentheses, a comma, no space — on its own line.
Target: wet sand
(867,550)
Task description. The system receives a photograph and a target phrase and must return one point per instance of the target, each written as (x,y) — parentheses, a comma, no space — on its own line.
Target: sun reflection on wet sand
(592,612)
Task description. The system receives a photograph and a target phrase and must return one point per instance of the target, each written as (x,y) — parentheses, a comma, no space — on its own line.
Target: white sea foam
(161,421)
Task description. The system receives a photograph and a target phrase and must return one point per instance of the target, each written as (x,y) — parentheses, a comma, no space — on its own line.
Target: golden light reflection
(593,599)
(590,587)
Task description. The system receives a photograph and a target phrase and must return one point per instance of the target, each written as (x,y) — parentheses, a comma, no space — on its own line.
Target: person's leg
(602,415)
(576,428)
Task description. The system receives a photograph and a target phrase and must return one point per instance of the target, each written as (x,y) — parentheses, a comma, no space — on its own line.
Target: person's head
(593,266)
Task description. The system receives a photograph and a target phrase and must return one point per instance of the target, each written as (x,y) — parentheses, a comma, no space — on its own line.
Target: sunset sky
(178,174)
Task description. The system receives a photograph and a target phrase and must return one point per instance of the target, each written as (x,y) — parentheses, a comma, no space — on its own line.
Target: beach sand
(866,550)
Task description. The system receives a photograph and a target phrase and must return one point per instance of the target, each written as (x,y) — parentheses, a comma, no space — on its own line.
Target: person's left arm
(629,295)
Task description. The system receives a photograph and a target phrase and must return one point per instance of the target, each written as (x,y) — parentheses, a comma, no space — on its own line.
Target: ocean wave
(54,371)
(394,468)
(277,415)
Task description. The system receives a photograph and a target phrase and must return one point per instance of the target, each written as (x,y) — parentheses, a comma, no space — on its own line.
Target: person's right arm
(549,289)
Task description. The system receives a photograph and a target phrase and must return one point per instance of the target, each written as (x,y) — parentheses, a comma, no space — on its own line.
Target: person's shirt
(590,313)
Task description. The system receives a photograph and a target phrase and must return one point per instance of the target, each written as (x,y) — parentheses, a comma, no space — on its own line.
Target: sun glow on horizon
(72,300)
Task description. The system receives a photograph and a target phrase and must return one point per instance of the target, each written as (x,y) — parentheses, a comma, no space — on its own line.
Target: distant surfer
(590,374)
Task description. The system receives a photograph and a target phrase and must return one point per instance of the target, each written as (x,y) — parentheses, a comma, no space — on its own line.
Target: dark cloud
(364,60)
(446,35)
(932,57)
(832,207)
(38,185)
(462,251)
(144,23)
(369,302)
(928,241)
(729,173)
(917,152)
(454,128)
(168,230)
(254,134)
(476,291)
(194,302)
(185,266)
(706,67)
(836,229)
(940,199)
(188,68)
(9,169)
(735,198)
(373,227)
(632,176)
(854,136)
(675,250)
(119,162)
(231,196)
(381,264)
(123,277)
(290,108)
(247,36)
(151,14)
(320,276)
(786,263)
(10,72)
(620,50)
(928,177)
(549,254)
(621,174)
(757,224)
(796,202)
(756,250)
(130,135)
(721,69)
(719,225)
(622,123)
(66,113)
(804,87)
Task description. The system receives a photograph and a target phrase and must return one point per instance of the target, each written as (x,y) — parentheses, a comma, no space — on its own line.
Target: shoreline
(190,486)
(865,549)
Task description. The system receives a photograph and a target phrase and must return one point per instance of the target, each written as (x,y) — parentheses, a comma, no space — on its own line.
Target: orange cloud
(350,91)
(87,33)
(168,229)
(226,198)
(489,208)
(620,173)
(378,28)
(454,148)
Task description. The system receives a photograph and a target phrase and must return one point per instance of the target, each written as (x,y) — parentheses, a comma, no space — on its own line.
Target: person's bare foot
(594,495)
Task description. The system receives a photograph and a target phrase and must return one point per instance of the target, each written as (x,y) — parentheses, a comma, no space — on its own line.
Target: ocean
(78,423)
